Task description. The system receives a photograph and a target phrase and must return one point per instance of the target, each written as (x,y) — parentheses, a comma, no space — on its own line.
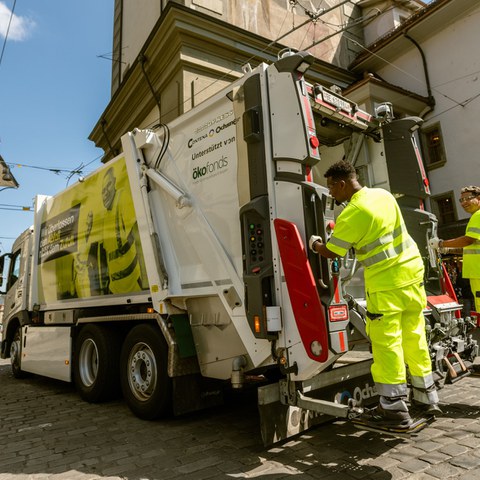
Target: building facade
(430,55)
(169,55)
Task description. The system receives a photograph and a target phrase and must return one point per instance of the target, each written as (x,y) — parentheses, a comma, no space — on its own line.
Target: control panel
(258,267)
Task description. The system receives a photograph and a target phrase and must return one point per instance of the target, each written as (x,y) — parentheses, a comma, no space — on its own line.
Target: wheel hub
(143,372)
(88,362)
(15,351)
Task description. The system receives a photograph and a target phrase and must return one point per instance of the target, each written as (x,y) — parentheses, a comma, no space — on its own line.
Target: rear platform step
(419,423)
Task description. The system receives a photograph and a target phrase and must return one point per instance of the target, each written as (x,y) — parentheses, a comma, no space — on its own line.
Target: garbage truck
(180,267)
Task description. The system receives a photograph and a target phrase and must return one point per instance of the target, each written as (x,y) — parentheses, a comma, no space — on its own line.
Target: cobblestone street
(49,433)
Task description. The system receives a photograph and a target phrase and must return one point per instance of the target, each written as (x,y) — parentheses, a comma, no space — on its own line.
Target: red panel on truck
(306,305)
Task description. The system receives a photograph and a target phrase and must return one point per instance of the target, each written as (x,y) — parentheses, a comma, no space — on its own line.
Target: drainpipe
(431,100)
(103,124)
(143,60)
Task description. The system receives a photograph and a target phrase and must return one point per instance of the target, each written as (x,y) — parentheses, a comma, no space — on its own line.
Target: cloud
(20,27)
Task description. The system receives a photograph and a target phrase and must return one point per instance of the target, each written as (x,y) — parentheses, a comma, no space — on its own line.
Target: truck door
(15,277)
(12,276)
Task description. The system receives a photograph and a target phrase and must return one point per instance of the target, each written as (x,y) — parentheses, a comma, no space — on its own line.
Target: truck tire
(16,354)
(95,368)
(146,385)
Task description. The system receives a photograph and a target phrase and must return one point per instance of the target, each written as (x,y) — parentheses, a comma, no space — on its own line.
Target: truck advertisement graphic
(58,236)
(88,241)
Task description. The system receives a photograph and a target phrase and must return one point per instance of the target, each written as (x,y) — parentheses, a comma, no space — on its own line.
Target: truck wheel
(145,382)
(16,354)
(95,369)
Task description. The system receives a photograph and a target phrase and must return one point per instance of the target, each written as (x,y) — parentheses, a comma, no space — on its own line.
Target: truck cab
(15,270)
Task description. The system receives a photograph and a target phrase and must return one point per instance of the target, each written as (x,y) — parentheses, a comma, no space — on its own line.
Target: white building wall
(454,67)
(390,18)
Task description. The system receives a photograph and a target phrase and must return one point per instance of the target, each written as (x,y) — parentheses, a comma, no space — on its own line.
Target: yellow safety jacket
(119,243)
(471,253)
(373,225)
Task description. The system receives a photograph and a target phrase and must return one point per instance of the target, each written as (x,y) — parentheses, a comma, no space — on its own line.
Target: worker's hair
(471,189)
(341,171)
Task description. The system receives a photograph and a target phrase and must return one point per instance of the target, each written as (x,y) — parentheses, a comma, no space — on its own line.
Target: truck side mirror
(2,264)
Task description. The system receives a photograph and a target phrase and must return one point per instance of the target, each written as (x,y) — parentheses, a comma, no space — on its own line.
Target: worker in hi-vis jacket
(470,242)
(373,225)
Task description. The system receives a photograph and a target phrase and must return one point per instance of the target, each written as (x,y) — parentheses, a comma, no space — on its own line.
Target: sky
(54,86)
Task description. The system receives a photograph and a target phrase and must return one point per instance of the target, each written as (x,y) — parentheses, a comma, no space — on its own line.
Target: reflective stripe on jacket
(471,253)
(373,225)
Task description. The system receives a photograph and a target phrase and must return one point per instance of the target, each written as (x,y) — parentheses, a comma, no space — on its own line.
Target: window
(445,208)
(14,269)
(434,152)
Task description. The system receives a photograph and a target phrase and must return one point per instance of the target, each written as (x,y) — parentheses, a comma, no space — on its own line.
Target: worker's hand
(313,240)
(434,243)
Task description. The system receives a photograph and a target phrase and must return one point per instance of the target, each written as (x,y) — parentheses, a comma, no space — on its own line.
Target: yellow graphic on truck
(88,242)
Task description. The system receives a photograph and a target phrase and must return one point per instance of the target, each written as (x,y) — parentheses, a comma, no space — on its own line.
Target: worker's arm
(458,242)
(324,251)
(317,245)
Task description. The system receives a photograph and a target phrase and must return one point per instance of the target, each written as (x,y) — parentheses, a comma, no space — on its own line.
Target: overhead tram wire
(347,27)
(36,167)
(462,104)
(408,74)
(8,31)
(457,104)
(17,208)
(57,171)
(312,16)
(343,29)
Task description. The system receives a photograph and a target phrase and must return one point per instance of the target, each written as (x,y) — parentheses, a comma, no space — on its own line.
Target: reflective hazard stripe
(388,238)
(389,390)
(472,249)
(389,253)
(473,230)
(340,243)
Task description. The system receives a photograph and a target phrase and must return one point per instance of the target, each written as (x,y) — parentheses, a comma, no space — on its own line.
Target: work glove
(313,239)
(434,243)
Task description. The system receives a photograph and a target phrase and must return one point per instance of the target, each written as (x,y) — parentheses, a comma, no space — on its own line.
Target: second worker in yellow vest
(470,242)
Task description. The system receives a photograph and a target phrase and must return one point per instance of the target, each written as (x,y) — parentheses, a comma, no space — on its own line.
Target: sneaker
(392,419)
(427,409)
